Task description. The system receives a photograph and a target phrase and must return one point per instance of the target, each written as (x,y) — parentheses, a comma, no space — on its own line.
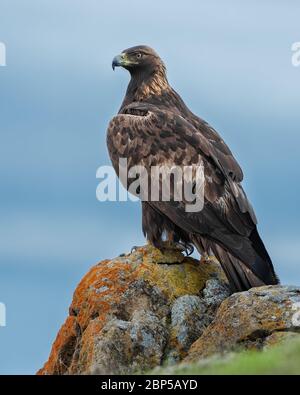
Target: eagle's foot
(185,248)
(206,258)
(133,249)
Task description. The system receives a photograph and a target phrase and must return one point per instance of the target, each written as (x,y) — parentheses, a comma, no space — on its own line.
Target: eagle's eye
(138,55)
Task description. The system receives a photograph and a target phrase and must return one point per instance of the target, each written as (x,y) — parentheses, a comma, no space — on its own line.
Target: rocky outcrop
(137,311)
(148,308)
(258,318)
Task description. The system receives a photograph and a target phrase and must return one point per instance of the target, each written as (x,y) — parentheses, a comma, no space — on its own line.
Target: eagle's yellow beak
(119,61)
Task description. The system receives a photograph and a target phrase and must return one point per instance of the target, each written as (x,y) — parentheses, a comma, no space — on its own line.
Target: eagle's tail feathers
(262,253)
(239,275)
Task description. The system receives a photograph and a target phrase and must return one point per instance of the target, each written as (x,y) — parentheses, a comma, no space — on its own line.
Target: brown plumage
(155,127)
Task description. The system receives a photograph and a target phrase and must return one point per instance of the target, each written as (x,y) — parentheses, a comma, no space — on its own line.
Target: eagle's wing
(219,149)
(149,136)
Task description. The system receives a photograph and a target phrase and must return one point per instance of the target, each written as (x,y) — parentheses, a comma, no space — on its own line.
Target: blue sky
(231,63)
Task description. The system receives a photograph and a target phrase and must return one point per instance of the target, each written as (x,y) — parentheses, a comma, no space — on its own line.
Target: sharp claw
(133,249)
(185,248)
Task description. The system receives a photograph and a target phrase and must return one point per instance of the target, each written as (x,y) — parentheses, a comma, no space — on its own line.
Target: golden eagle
(155,127)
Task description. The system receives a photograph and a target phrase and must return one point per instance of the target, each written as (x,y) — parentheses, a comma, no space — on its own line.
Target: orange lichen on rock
(150,307)
(131,293)
(62,349)
(100,290)
(94,299)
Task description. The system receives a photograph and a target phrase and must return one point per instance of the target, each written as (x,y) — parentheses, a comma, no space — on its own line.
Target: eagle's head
(148,73)
(139,59)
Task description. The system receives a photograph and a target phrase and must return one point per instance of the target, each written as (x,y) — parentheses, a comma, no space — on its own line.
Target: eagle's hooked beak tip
(117,61)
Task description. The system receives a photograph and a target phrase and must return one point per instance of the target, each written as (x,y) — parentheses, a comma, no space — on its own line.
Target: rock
(191,314)
(126,346)
(188,320)
(279,337)
(215,292)
(254,319)
(135,312)
(146,309)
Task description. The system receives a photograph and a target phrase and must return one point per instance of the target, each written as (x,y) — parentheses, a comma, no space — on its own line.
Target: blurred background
(231,63)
